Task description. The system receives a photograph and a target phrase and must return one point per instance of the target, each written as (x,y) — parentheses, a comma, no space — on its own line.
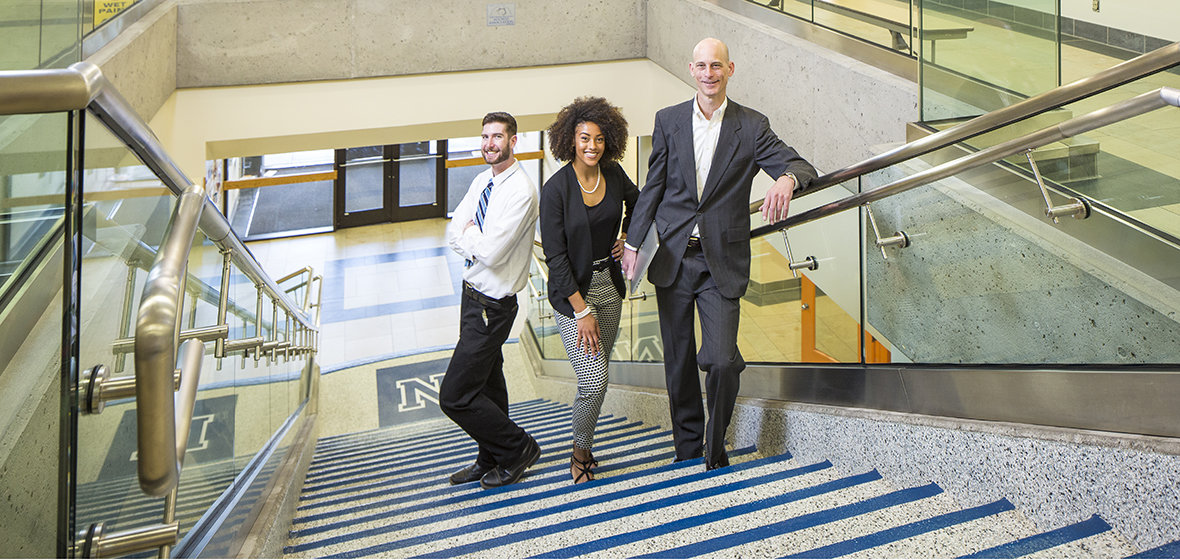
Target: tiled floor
(392,290)
(389,290)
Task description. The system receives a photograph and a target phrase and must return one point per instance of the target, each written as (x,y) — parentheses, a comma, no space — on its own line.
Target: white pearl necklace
(597,181)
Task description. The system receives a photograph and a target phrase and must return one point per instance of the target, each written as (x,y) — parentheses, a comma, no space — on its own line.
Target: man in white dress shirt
(492,228)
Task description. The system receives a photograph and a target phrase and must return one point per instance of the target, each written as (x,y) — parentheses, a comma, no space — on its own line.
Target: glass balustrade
(242,400)
(33,162)
(988,279)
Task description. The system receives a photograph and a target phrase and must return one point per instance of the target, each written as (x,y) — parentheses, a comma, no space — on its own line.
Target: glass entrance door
(363,176)
(419,180)
(390,183)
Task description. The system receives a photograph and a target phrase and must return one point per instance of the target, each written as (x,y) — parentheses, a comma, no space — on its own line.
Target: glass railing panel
(888,23)
(639,328)
(262,212)
(811,317)
(540,318)
(21,22)
(1133,165)
(40,34)
(32,200)
(32,190)
(126,214)
(981,56)
(985,282)
(102,11)
(60,32)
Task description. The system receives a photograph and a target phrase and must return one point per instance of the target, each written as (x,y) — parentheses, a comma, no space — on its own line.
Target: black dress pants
(473,392)
(718,357)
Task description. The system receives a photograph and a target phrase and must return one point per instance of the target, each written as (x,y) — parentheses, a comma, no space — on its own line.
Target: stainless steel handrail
(1119,74)
(1137,105)
(192,355)
(83,86)
(157,332)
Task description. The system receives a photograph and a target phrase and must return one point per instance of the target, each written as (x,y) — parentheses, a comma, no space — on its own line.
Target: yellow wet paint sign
(107,9)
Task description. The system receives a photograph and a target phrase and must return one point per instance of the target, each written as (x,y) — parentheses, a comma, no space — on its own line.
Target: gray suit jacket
(746,144)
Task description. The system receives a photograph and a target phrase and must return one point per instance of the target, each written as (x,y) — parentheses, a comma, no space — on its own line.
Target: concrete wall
(985,283)
(829,107)
(141,61)
(238,42)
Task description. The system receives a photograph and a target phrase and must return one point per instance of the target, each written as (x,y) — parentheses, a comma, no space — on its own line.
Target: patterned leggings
(605,303)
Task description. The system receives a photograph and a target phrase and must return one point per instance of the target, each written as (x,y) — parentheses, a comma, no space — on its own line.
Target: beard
(494,158)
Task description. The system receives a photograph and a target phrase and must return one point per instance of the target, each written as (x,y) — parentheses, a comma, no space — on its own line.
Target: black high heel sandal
(584,473)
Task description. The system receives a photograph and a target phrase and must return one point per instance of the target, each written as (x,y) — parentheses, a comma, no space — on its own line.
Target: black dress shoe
(700,452)
(505,475)
(470,473)
(722,461)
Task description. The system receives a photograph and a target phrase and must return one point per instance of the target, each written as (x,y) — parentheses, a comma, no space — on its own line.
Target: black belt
(603,264)
(694,243)
(486,301)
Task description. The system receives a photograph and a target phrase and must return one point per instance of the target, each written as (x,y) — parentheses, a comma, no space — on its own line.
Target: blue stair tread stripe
(1170,550)
(604,543)
(371,443)
(404,480)
(401,455)
(906,531)
(388,429)
(376,472)
(529,482)
(797,523)
(1043,541)
(425,445)
(425,470)
(534,479)
(589,500)
(620,513)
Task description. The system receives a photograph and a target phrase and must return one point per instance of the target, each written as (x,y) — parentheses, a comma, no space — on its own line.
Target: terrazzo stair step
(126,501)
(934,538)
(446,430)
(1169,550)
(416,480)
(425,446)
(439,497)
(408,432)
(441,466)
(443,429)
(394,499)
(577,528)
(547,490)
(730,505)
(1090,538)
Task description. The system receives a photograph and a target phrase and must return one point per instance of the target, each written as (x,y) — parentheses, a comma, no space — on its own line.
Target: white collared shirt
(501,252)
(705,132)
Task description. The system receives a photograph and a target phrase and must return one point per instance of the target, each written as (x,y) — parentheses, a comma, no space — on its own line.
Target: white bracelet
(584,312)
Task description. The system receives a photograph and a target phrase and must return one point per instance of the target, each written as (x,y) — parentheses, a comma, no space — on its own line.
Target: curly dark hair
(597,110)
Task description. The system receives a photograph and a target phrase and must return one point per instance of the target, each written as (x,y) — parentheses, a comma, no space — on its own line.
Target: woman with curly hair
(581,217)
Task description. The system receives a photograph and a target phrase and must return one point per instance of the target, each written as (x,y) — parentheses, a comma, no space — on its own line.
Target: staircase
(384,493)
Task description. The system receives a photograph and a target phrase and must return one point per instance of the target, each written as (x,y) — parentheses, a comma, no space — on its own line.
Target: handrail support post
(1077,208)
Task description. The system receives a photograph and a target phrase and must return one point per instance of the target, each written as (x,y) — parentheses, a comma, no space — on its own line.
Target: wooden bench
(895,17)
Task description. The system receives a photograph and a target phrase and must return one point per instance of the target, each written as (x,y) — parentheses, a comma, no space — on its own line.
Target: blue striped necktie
(483,209)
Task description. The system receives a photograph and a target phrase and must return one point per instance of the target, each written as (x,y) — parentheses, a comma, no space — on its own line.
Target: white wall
(1155,18)
(210,123)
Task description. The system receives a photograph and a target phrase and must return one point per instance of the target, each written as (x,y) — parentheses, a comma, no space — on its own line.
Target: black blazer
(745,145)
(565,231)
